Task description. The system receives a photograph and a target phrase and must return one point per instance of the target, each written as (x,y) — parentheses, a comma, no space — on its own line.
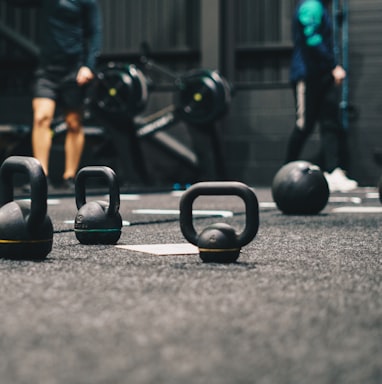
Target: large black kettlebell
(300,188)
(26,232)
(219,242)
(97,222)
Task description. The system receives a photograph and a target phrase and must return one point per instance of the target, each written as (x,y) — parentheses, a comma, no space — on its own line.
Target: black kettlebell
(26,232)
(219,242)
(300,188)
(97,222)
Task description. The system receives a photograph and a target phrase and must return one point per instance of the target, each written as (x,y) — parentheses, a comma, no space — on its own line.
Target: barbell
(201,96)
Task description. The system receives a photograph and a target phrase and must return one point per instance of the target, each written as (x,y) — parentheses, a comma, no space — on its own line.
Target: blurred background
(248,41)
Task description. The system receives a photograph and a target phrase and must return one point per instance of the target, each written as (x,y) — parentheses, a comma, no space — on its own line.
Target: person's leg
(330,127)
(332,135)
(72,98)
(306,114)
(74,143)
(43,112)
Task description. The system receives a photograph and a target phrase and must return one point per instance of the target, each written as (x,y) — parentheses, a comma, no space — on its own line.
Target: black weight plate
(120,90)
(203,97)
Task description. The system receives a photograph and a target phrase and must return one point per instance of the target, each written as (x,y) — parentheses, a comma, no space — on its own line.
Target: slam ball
(300,187)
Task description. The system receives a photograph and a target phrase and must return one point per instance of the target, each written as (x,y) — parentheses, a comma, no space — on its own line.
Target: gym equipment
(300,188)
(97,222)
(117,95)
(120,90)
(219,242)
(202,96)
(26,231)
(120,93)
(380,189)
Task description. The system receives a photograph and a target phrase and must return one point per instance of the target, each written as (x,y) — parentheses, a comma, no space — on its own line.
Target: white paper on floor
(163,249)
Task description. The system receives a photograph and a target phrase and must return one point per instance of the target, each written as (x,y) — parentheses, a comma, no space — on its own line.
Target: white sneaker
(338,182)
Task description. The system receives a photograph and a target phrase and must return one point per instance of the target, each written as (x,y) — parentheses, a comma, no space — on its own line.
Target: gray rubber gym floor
(303,304)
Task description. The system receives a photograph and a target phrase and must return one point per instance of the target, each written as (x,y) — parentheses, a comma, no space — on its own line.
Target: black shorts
(60,85)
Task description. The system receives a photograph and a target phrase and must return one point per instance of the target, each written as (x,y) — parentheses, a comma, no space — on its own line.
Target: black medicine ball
(300,188)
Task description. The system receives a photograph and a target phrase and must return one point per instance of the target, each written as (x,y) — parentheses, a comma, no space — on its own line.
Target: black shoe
(68,184)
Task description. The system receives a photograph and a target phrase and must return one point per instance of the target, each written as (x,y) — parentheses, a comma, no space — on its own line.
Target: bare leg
(43,111)
(74,144)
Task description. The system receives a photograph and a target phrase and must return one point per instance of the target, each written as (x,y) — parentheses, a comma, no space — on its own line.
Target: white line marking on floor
(177,193)
(163,249)
(345,199)
(358,210)
(267,205)
(176,212)
(372,195)
(129,197)
(54,201)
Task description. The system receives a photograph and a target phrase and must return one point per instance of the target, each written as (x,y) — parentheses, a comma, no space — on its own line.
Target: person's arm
(92,33)
(338,74)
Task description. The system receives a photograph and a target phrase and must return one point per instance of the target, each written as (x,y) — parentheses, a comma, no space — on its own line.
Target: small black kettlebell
(26,232)
(219,242)
(97,222)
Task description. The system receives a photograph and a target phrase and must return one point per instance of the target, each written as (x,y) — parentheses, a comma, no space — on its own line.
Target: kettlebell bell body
(300,188)
(97,222)
(219,242)
(26,231)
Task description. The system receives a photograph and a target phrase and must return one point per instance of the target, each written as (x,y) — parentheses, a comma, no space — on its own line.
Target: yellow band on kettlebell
(2,241)
(98,230)
(112,92)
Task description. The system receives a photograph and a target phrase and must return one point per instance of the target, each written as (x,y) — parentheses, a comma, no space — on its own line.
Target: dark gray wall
(365,87)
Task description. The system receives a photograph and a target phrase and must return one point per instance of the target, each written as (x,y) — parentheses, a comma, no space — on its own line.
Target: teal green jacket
(313,53)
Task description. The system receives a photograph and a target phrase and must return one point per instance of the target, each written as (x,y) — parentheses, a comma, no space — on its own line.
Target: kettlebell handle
(105,173)
(32,167)
(220,188)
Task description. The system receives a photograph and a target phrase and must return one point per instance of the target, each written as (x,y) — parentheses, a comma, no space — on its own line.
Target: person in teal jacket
(69,49)
(316,77)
